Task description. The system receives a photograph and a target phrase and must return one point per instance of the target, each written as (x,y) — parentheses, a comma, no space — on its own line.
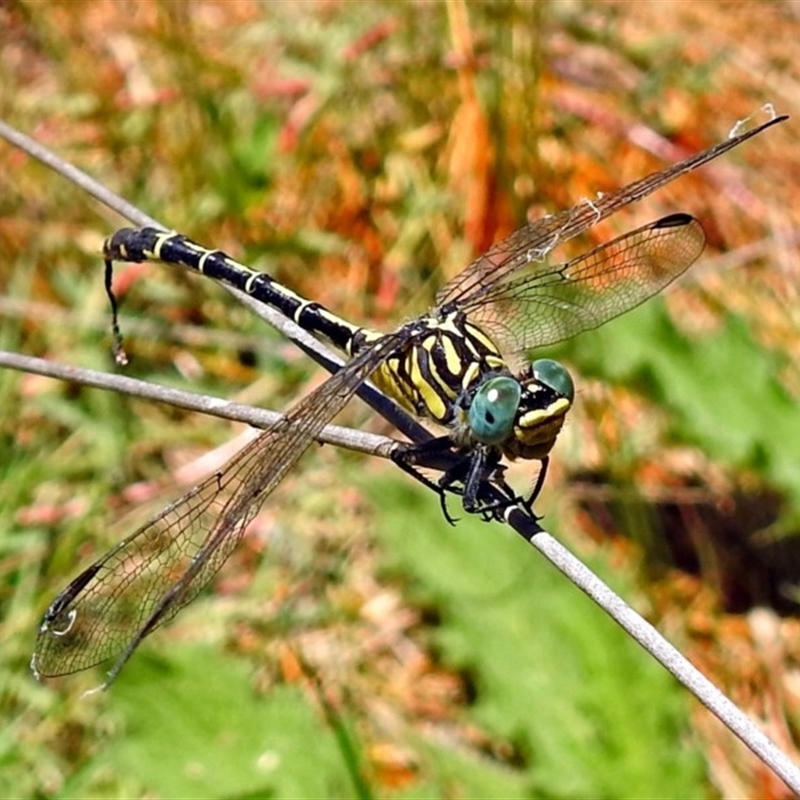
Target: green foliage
(339,151)
(591,713)
(722,391)
(189,726)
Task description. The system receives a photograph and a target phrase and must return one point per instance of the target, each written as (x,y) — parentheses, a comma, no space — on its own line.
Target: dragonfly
(450,367)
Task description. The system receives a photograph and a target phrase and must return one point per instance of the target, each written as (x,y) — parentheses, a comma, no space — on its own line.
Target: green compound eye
(494,409)
(554,375)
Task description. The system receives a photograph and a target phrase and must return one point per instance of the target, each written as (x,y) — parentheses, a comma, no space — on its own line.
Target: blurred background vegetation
(365,153)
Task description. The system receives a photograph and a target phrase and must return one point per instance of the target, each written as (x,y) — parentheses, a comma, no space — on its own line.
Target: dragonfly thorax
(453,374)
(446,357)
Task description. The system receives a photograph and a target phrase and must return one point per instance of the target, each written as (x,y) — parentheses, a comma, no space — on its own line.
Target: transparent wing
(160,568)
(530,245)
(547,304)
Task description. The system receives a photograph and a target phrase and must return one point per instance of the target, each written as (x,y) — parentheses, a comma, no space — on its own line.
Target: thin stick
(350,438)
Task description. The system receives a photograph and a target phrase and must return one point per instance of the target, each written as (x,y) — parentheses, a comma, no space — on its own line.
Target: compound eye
(555,375)
(494,409)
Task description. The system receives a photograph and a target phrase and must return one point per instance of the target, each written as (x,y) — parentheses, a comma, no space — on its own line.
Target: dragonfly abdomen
(151,244)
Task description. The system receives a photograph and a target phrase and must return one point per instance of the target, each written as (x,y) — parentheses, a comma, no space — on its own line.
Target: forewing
(547,305)
(160,568)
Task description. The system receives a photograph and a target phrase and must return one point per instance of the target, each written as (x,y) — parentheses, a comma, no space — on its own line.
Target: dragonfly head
(524,414)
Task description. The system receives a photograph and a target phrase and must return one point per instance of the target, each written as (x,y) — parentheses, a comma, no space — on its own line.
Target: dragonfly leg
(537,487)
(485,488)
(439,454)
(474,474)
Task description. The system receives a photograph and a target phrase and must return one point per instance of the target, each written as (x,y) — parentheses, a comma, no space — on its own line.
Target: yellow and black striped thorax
(446,357)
